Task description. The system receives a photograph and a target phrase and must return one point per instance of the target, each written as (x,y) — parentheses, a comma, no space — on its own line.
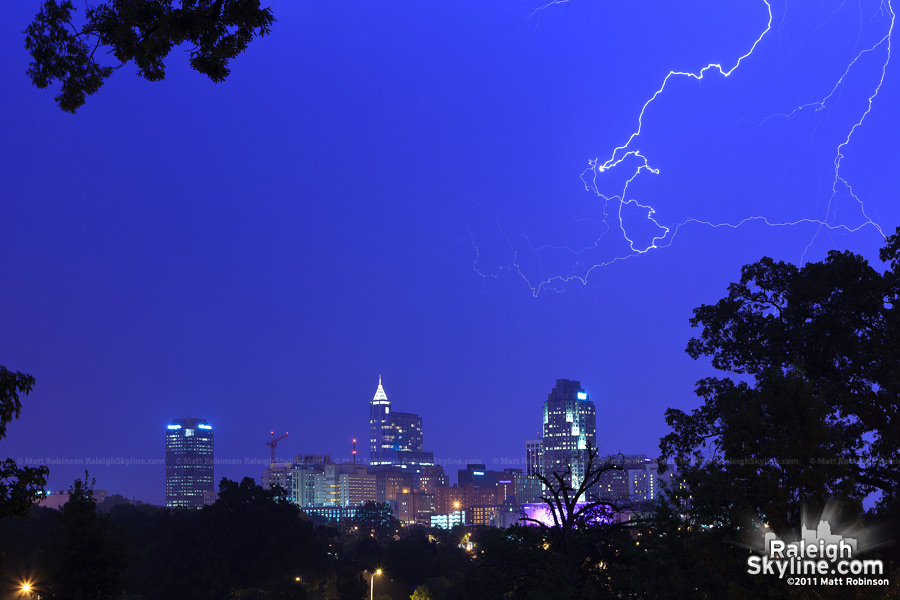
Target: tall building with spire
(396,437)
(380,425)
(570,423)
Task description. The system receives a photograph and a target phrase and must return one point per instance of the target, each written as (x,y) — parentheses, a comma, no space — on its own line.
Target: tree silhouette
(20,487)
(142,31)
(587,540)
(808,412)
(87,559)
(573,507)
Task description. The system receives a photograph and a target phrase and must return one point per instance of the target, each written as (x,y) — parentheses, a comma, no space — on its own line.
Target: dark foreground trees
(378,519)
(250,544)
(251,539)
(576,512)
(584,551)
(809,411)
(19,486)
(69,50)
(805,418)
(87,556)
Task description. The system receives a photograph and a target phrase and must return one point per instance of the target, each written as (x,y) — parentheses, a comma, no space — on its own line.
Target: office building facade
(478,475)
(534,450)
(312,480)
(395,437)
(569,426)
(189,462)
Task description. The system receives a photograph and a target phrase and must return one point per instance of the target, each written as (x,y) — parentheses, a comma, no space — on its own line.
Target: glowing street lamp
(372,584)
(27,589)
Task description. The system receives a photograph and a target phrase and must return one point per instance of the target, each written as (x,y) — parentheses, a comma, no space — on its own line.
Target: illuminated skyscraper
(396,437)
(570,422)
(380,425)
(189,462)
(406,431)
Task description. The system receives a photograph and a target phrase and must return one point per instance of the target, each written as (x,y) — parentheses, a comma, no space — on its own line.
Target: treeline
(254,544)
(251,544)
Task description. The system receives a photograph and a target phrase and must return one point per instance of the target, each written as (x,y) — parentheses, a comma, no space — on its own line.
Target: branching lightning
(629,153)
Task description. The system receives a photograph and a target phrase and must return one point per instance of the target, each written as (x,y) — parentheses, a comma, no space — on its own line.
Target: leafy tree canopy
(11,385)
(808,412)
(378,518)
(250,539)
(19,487)
(142,31)
(88,556)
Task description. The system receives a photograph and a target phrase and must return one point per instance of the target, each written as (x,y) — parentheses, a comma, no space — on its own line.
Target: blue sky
(396,189)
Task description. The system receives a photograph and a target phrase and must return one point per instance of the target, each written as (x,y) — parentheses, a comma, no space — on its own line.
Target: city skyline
(401,476)
(183,451)
(393,202)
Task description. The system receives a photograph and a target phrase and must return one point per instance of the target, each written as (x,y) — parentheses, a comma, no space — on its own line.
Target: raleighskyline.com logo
(817,558)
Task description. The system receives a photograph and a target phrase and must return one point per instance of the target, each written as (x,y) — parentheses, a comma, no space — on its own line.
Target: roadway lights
(372,584)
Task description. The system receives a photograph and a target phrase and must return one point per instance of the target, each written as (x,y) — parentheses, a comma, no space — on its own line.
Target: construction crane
(274,442)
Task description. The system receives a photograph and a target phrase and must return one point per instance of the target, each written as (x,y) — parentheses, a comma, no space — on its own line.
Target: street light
(27,590)
(372,584)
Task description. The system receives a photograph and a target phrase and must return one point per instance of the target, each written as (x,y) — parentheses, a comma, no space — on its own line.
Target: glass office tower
(189,462)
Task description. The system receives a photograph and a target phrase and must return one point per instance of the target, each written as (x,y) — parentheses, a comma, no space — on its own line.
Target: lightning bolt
(839,180)
(629,153)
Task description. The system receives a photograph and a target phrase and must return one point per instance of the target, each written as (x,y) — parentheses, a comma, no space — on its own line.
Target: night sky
(396,188)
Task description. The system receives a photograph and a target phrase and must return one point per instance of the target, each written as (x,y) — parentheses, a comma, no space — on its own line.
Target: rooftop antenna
(354,451)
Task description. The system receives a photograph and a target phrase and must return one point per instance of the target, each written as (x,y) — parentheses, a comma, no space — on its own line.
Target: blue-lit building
(570,423)
(189,462)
